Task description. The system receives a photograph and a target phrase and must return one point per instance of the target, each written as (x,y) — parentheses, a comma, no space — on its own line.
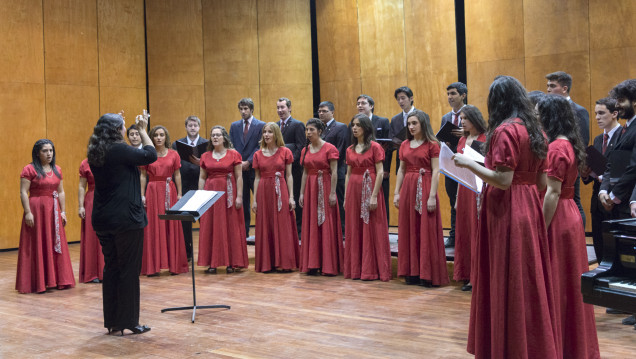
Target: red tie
(605,139)
(245,129)
(455,119)
(282,125)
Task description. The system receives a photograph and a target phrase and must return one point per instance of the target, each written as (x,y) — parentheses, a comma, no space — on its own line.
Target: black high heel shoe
(139,329)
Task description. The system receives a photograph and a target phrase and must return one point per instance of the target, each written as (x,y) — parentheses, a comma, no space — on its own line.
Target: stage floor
(272,316)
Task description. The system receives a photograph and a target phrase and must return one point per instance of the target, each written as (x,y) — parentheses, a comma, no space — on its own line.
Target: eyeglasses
(323,111)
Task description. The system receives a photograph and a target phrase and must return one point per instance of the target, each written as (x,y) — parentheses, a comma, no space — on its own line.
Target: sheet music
(462,176)
(474,155)
(199,198)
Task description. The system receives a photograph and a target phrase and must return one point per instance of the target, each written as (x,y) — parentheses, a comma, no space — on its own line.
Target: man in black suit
(620,177)
(245,135)
(404,97)
(337,134)
(295,139)
(607,119)
(382,129)
(190,171)
(456,94)
(560,83)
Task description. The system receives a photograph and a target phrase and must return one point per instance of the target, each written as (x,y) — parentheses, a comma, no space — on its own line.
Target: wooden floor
(272,316)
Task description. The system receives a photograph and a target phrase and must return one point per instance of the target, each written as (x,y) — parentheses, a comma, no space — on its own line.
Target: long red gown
(568,255)
(512,312)
(466,226)
(420,234)
(321,244)
(367,252)
(164,246)
(40,265)
(276,239)
(91,256)
(220,244)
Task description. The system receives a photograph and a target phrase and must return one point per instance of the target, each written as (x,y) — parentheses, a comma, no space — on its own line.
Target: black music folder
(400,137)
(185,150)
(476,145)
(445,134)
(596,160)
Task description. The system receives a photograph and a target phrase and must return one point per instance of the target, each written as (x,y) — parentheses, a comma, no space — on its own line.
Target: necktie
(605,139)
(455,122)
(406,116)
(192,143)
(246,127)
(282,125)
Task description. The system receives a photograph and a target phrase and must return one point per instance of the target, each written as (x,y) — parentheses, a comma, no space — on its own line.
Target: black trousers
(122,266)
(340,190)
(577,198)
(297,175)
(248,186)
(451,191)
(385,189)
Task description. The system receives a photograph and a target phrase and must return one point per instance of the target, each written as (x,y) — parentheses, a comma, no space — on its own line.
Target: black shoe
(96,280)
(631,320)
(139,329)
(313,271)
(467,287)
(229,270)
(153,275)
(614,311)
(210,271)
(450,242)
(412,279)
(426,283)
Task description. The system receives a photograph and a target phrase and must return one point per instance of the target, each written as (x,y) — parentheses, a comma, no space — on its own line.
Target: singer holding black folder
(512,299)
(119,217)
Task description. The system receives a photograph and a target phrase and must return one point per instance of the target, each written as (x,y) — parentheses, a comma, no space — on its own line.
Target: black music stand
(176,213)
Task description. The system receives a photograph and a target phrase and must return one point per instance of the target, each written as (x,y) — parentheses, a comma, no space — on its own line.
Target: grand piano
(613,283)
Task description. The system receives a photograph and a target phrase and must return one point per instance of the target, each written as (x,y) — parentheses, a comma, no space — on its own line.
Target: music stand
(190,208)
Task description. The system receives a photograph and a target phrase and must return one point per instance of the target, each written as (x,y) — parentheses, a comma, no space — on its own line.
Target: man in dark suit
(382,129)
(404,97)
(456,94)
(295,139)
(245,135)
(337,134)
(607,119)
(560,83)
(190,171)
(619,179)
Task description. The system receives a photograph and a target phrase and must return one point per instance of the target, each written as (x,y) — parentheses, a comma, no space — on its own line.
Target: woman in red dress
(43,258)
(91,257)
(276,239)
(512,312)
(421,254)
(220,244)
(568,253)
(164,246)
(466,205)
(367,251)
(321,233)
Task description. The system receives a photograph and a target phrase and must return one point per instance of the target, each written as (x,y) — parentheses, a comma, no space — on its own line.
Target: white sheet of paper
(473,155)
(199,198)
(462,176)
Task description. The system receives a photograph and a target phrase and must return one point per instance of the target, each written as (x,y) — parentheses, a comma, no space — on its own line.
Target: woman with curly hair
(568,253)
(119,217)
(43,258)
(512,313)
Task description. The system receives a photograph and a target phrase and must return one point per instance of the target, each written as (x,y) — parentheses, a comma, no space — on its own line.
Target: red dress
(568,255)
(40,264)
(91,256)
(164,246)
(466,227)
(420,235)
(367,251)
(276,239)
(321,243)
(512,312)
(220,244)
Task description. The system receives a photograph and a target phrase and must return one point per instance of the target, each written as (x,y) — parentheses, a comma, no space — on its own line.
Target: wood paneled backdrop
(68,61)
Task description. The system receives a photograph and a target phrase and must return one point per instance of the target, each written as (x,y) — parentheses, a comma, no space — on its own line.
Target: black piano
(613,283)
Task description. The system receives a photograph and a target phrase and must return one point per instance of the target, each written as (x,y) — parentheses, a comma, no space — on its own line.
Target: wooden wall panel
(72,100)
(21,104)
(230,49)
(284,55)
(122,57)
(175,63)
(339,55)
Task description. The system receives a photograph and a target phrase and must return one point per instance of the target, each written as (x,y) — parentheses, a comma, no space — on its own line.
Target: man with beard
(620,177)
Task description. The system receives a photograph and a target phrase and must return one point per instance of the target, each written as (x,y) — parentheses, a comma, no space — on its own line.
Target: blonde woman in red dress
(367,251)
(43,257)
(466,205)
(321,243)
(220,244)
(91,256)
(276,239)
(164,246)
(421,255)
